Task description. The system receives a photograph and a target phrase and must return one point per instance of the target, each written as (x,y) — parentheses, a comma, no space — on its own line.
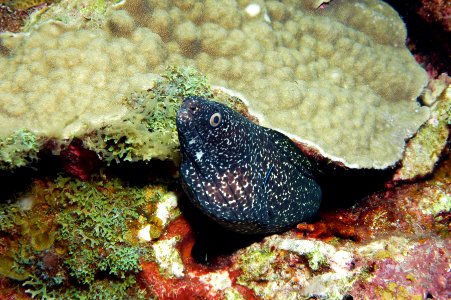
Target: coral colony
(349,82)
(92,204)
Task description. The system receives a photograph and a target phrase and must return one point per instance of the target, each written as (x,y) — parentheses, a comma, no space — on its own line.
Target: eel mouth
(186,114)
(188,110)
(183,115)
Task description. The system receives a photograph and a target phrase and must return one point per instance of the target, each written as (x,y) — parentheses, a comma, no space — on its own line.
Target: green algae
(150,131)
(291,268)
(232,294)
(168,258)
(316,252)
(434,206)
(81,234)
(18,149)
(9,216)
(257,264)
(101,289)
(98,216)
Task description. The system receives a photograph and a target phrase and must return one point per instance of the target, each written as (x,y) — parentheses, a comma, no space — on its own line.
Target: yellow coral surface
(338,77)
(60,82)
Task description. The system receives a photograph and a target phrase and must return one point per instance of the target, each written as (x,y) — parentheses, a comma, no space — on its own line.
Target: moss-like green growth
(232,294)
(265,270)
(79,234)
(8,216)
(18,149)
(149,131)
(95,225)
(101,289)
(168,257)
(146,131)
(256,264)
(316,259)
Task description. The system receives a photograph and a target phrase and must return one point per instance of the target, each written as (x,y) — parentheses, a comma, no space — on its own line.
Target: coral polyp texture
(337,76)
(60,82)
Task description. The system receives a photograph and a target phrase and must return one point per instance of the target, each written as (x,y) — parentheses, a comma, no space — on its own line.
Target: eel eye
(215,119)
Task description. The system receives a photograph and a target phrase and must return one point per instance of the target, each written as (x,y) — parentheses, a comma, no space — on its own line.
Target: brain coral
(338,77)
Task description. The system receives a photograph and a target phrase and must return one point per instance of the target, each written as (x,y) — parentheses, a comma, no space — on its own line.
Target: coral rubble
(11,20)
(416,209)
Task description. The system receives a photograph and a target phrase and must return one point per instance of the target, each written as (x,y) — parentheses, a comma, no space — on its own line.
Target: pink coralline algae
(393,245)
(436,11)
(421,273)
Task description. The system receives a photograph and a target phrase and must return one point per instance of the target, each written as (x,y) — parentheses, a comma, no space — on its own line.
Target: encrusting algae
(425,149)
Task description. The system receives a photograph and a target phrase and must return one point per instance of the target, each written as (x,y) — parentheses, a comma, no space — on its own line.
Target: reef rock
(425,149)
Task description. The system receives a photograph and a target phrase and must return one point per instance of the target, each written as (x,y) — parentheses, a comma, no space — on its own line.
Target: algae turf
(18,149)
(78,239)
(149,130)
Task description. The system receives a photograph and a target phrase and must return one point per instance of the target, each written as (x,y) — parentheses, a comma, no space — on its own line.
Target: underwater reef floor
(126,237)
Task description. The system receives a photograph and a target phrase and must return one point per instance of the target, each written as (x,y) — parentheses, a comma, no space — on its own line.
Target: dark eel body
(248,178)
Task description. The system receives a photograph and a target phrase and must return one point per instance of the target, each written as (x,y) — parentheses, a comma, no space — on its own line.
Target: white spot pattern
(224,171)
